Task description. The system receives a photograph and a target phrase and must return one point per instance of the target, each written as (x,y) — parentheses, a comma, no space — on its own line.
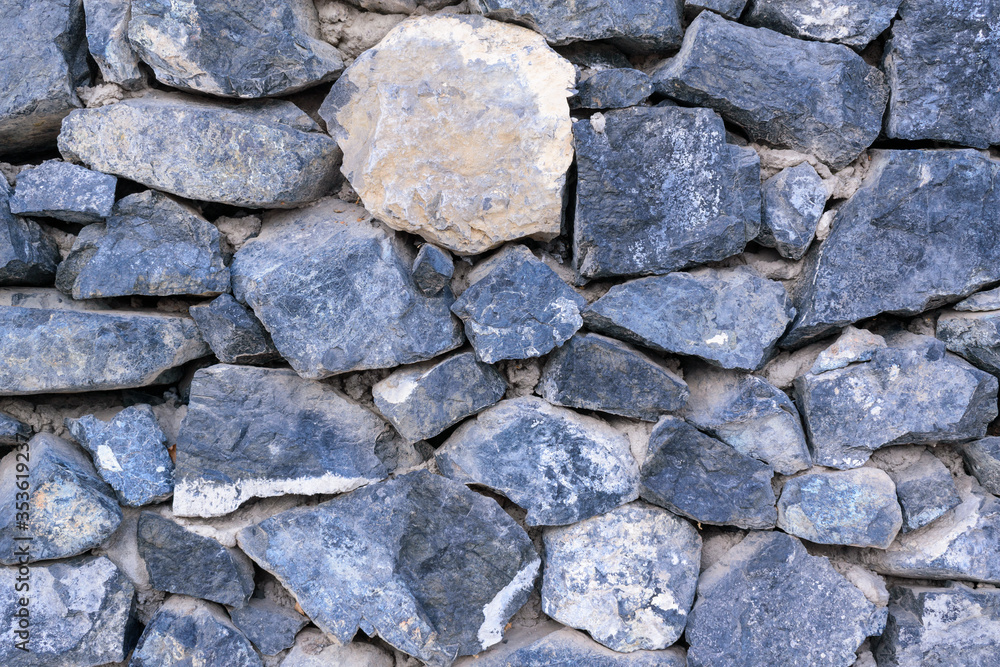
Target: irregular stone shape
(433,568)
(815,98)
(626,577)
(266,154)
(980,301)
(975,336)
(729,317)
(593,372)
(28,255)
(943,65)
(612,89)
(151,244)
(731,9)
(983,460)
(855,23)
(70,509)
(64,191)
(333,289)
(438,156)
(561,466)
(13,431)
(911,393)
(432,269)
(424,400)
(748,413)
(80,612)
(932,211)
(250,49)
(260,432)
(270,626)
(686,210)
(924,486)
(794,199)
(852,346)
(314,649)
(697,476)
(813,615)
(107,38)
(130,453)
(235,335)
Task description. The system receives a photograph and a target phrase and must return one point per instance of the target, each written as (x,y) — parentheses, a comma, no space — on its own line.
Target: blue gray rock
(13,431)
(982,457)
(64,191)
(314,649)
(560,466)
(432,269)
(107,38)
(433,568)
(980,301)
(925,488)
(855,23)
(235,335)
(270,626)
(729,317)
(703,479)
(612,89)
(333,288)
(656,193)
(974,336)
(794,199)
(731,9)
(819,99)
(28,255)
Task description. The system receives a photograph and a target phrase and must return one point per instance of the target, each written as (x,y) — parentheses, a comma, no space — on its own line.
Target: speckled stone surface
(64,191)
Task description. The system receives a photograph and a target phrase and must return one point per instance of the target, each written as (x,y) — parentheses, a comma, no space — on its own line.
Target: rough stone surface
(28,255)
(107,38)
(924,486)
(975,336)
(793,204)
(64,191)
(235,335)
(270,626)
(731,9)
(432,269)
(13,431)
(612,89)
(855,23)
(980,301)
(983,460)
(313,649)
(852,346)
(436,155)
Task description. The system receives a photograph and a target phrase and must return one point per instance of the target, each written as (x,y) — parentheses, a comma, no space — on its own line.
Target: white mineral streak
(495,613)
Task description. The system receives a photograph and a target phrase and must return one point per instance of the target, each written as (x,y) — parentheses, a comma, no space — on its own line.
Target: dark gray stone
(975,336)
(593,372)
(706,480)
(594,55)
(433,568)
(794,199)
(855,23)
(983,460)
(655,192)
(64,191)
(333,288)
(924,486)
(816,98)
(13,431)
(731,9)
(980,301)
(432,269)
(270,626)
(612,89)
(729,317)
(107,38)
(28,255)
(235,335)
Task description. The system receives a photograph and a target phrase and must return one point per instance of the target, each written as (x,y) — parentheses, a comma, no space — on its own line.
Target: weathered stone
(815,98)
(235,335)
(852,346)
(28,256)
(612,89)
(314,649)
(980,301)
(432,269)
(271,627)
(107,38)
(594,56)
(793,204)
(697,476)
(13,431)
(333,288)
(64,191)
(855,23)
(655,192)
(433,568)
(130,453)
(731,9)
(730,317)
(257,154)
(975,336)
(469,141)
(626,577)
(561,466)
(983,460)
(259,432)
(924,486)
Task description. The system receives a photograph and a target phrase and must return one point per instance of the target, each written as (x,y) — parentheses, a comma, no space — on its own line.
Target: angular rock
(107,38)
(793,204)
(852,346)
(268,625)
(260,432)
(980,301)
(855,23)
(235,335)
(438,156)
(13,431)
(924,486)
(731,9)
(64,191)
(201,150)
(28,255)
(433,568)
(560,466)
(982,457)
(314,649)
(655,192)
(729,317)
(432,269)
(815,98)
(333,288)
(975,336)
(708,481)
(612,89)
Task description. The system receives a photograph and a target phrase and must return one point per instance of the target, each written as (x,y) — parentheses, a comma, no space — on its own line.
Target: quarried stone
(64,191)
(28,255)
(235,335)
(855,23)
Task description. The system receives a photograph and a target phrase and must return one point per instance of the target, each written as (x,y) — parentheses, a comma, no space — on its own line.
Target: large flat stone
(855,23)
(107,39)
(64,191)
(28,255)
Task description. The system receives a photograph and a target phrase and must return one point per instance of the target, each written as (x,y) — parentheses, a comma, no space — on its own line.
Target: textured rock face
(731,9)
(852,22)
(271,627)
(793,203)
(975,336)
(64,191)
(233,333)
(686,210)
(612,89)
(432,269)
(436,154)
(339,297)
(107,38)
(396,559)
(13,431)
(28,256)
(200,150)
(924,486)
(983,460)
(852,346)
(981,301)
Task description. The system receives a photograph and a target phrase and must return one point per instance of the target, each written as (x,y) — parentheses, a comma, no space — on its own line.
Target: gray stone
(626,577)
(107,38)
(235,335)
(433,568)
(853,345)
(432,269)
(314,649)
(768,602)
(855,23)
(64,191)
(794,199)
(731,9)
(612,89)
(980,302)
(270,626)
(815,98)
(13,431)
(975,336)
(130,453)
(924,486)
(333,288)
(560,466)
(70,508)
(655,192)
(423,400)
(260,432)
(28,255)
(594,56)
(706,480)
(983,460)
(729,317)
(197,149)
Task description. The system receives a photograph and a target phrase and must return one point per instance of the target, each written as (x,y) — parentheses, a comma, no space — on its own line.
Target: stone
(814,98)
(436,155)
(271,627)
(81,613)
(594,56)
(107,38)
(982,457)
(974,336)
(731,318)
(855,23)
(130,453)
(560,466)
(731,9)
(932,211)
(794,199)
(433,568)
(980,301)
(925,488)
(70,508)
(626,577)
(201,150)
(703,479)
(519,308)
(432,269)
(28,255)
(150,244)
(852,346)
(339,297)
(422,401)
(813,616)
(64,191)
(13,432)
(612,89)
(233,332)
(261,432)
(313,649)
